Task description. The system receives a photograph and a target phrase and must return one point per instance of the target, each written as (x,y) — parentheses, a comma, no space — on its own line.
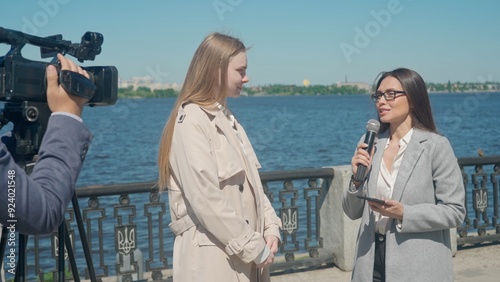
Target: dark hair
(418,98)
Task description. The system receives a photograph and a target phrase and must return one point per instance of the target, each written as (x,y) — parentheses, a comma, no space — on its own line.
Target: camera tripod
(30,121)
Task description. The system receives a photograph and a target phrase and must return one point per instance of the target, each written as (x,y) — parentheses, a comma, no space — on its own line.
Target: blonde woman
(225,227)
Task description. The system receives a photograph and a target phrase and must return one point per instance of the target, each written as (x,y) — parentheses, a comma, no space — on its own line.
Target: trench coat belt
(181,225)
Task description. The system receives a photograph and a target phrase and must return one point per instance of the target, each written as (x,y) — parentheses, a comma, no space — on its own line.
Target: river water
(291,132)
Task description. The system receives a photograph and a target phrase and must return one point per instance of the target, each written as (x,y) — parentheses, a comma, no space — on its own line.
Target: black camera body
(24,80)
(23,86)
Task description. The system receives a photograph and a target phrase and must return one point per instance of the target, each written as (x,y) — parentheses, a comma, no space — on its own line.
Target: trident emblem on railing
(289,219)
(125,239)
(480,199)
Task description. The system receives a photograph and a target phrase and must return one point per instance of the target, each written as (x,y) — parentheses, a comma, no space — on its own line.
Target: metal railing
(127,236)
(481,178)
(125,223)
(296,185)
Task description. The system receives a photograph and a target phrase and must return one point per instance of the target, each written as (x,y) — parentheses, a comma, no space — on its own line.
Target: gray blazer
(42,198)
(430,187)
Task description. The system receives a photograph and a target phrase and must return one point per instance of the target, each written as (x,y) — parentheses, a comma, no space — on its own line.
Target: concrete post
(338,231)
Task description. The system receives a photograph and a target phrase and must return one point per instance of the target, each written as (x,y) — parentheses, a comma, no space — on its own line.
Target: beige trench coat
(214,189)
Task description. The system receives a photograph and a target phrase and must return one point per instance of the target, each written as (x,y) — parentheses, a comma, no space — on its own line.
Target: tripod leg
(21,261)
(3,243)
(83,236)
(60,251)
(71,255)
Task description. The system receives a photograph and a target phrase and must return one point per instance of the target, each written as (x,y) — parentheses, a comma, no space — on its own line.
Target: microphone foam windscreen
(373,125)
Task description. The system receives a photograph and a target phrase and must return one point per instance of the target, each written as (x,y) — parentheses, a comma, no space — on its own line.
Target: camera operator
(38,201)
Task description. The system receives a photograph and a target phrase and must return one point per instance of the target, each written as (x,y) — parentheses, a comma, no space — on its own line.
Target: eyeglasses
(389,95)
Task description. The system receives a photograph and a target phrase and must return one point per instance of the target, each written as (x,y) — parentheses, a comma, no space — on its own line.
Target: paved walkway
(471,265)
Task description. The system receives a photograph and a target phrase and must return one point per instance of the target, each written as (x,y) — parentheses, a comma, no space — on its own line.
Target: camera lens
(92,38)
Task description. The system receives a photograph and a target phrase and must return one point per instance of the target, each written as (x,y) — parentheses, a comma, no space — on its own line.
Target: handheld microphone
(372,127)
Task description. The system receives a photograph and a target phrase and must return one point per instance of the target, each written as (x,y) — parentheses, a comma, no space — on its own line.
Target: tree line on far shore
(289,90)
(146,92)
(275,89)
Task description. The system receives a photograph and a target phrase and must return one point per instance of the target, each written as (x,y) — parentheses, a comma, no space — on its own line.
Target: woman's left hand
(390,208)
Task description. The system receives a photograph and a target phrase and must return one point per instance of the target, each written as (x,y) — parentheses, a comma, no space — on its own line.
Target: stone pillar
(338,231)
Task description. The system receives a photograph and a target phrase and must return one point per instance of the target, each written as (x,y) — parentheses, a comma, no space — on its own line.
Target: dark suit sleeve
(42,198)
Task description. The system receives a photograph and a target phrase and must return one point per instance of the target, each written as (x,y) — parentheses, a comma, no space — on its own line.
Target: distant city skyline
(320,42)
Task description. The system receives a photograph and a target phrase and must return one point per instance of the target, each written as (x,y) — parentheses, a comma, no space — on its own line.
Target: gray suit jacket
(429,185)
(42,198)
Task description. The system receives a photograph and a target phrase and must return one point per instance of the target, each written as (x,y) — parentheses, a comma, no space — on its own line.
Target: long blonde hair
(205,84)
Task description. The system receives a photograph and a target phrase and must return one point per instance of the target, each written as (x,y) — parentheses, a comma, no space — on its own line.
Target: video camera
(24,80)
(23,86)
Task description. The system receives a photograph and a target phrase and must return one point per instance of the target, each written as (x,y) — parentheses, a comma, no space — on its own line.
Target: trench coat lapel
(221,122)
(247,156)
(252,157)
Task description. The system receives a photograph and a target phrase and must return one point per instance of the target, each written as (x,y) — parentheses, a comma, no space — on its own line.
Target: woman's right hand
(362,157)
(267,262)
(57,98)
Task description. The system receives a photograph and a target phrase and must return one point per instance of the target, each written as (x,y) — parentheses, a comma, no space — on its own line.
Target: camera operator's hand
(58,99)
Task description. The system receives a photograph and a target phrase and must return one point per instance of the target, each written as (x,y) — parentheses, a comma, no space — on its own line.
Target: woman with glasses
(414,170)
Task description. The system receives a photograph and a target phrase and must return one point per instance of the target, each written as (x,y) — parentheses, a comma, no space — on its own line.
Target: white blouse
(386,179)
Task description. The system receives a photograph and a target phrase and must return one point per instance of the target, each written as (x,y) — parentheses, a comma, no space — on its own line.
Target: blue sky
(322,41)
